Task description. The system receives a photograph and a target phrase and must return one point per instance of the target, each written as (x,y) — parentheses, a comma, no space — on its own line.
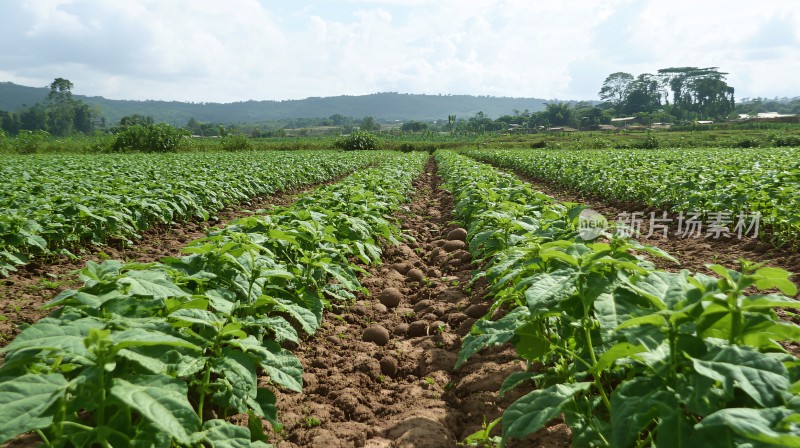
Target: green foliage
(650,141)
(414,126)
(747,142)
(141,352)
(236,142)
(368,124)
(357,141)
(30,142)
(5,141)
(46,208)
(632,356)
(709,180)
(159,137)
(784,140)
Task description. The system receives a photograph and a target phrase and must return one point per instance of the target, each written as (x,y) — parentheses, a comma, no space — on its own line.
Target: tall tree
(701,92)
(643,95)
(558,114)
(368,124)
(615,89)
(61,107)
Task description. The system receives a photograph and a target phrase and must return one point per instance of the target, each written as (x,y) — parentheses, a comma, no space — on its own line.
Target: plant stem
(203,388)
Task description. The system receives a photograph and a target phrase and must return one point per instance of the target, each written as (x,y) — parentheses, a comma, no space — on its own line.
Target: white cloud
(206,50)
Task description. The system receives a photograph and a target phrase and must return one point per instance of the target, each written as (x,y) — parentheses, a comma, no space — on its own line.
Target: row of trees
(685,93)
(60,114)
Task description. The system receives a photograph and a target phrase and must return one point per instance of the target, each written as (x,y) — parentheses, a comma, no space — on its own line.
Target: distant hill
(382,106)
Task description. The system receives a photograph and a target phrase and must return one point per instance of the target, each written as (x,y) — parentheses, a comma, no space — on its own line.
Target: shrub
(784,140)
(538,144)
(159,137)
(648,142)
(357,141)
(236,142)
(746,142)
(29,142)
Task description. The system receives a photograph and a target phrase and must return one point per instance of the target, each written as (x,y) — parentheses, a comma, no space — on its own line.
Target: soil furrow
(380,371)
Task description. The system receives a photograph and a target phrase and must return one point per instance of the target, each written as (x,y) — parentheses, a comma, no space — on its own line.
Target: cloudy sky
(235,50)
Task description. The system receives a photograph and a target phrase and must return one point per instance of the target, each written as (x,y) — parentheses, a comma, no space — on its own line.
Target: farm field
(422,301)
(55,203)
(705,180)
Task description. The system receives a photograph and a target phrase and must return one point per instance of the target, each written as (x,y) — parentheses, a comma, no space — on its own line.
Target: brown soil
(405,393)
(24,292)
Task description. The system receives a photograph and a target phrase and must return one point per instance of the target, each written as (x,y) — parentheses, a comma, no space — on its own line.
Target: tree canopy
(696,93)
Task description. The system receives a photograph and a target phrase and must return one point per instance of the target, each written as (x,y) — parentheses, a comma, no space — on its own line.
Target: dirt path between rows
(380,372)
(23,292)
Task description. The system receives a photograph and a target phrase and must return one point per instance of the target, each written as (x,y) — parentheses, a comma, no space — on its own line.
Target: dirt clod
(389,366)
(376,334)
(454,245)
(391,297)
(417,328)
(477,310)
(415,275)
(459,234)
(400,329)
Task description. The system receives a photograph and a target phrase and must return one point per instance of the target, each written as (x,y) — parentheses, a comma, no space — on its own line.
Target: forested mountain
(382,106)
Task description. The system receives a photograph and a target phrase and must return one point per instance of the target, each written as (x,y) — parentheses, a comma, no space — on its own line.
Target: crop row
(731,181)
(629,355)
(159,354)
(58,202)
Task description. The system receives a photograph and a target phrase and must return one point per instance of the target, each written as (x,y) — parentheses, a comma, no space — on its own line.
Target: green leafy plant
(633,356)
(159,137)
(142,353)
(30,142)
(357,141)
(236,142)
(735,182)
(59,202)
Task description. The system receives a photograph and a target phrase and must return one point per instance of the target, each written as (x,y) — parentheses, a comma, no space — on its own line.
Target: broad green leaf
(769,277)
(768,426)
(221,434)
(281,329)
(760,376)
(487,333)
(636,404)
(240,371)
(514,380)
(53,334)
(265,406)
(162,401)
(281,365)
(548,288)
(531,412)
(151,283)
(616,352)
(306,318)
(27,402)
(139,337)
(199,317)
